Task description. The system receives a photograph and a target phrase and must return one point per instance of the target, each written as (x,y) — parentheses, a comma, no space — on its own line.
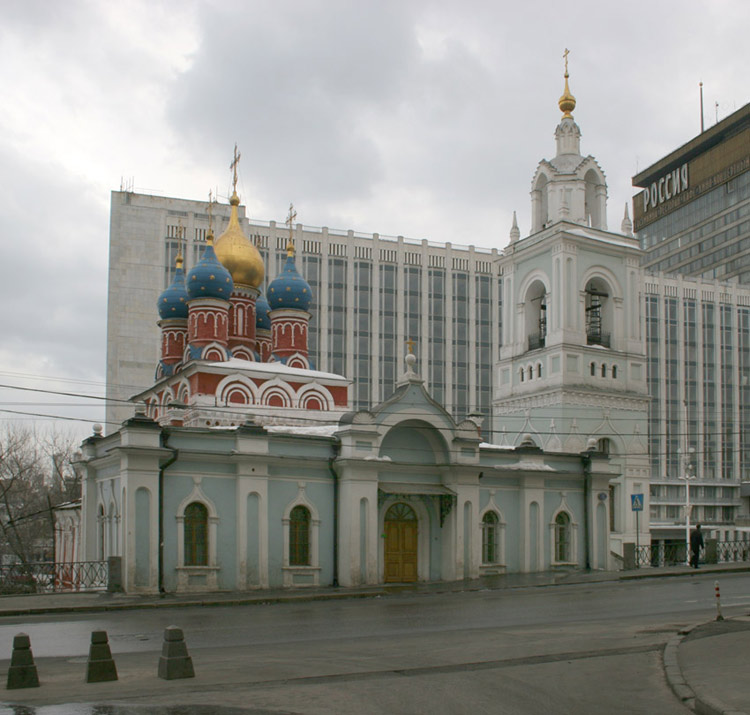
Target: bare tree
(36,473)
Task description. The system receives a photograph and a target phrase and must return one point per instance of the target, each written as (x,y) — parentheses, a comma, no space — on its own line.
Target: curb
(673,672)
(202,603)
(700,704)
(638,573)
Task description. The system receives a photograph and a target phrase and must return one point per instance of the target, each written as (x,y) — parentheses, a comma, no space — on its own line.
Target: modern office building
(693,219)
(693,215)
(698,346)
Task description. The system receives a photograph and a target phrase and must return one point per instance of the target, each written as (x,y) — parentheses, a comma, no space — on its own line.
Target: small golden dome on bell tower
(567,102)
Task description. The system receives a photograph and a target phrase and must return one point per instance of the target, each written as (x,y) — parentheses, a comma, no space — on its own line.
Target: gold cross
(233,166)
(210,209)
(290,223)
(411,345)
(565,55)
(180,239)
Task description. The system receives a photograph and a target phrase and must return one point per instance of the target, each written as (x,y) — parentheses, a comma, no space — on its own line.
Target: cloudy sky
(422,118)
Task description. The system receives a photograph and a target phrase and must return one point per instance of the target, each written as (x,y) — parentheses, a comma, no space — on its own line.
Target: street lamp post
(688,476)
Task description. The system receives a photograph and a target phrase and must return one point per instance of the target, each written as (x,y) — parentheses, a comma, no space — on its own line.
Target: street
(580,648)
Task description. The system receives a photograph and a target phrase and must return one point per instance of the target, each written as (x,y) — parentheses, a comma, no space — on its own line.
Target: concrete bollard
(22,672)
(175,661)
(101,665)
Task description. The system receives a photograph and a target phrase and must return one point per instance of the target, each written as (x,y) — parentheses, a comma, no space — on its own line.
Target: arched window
(522,374)
(562,538)
(531,372)
(604,370)
(614,372)
(598,314)
(593,369)
(539,369)
(540,204)
(535,315)
(490,538)
(299,536)
(196,534)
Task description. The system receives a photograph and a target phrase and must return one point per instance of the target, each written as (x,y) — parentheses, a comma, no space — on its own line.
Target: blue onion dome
(289,289)
(262,319)
(208,278)
(173,301)
(241,258)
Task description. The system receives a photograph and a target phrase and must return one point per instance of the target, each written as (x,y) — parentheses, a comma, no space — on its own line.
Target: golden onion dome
(567,102)
(238,255)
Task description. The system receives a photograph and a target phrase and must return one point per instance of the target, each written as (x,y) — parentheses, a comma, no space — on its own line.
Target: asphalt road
(592,648)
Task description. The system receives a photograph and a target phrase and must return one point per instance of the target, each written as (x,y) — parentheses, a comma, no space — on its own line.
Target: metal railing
(731,551)
(660,555)
(657,555)
(47,577)
(536,341)
(596,338)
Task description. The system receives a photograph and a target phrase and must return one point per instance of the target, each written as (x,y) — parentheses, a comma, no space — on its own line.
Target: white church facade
(246,468)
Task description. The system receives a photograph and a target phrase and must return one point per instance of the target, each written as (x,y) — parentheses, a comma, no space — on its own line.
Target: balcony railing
(594,338)
(47,577)
(536,341)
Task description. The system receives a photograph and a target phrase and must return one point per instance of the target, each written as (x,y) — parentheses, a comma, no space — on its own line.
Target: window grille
(490,553)
(299,536)
(562,537)
(196,535)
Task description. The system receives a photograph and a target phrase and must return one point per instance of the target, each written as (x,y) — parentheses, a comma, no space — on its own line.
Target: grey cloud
(297,90)
(54,268)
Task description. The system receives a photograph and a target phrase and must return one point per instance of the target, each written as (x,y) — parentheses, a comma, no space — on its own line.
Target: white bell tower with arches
(573,363)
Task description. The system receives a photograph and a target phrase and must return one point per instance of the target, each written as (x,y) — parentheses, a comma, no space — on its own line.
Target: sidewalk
(706,666)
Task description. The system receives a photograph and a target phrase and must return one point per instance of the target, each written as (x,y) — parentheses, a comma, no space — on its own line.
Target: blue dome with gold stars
(289,289)
(209,278)
(173,301)
(262,320)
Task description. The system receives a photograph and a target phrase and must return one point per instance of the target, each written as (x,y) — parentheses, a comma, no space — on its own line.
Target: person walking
(696,544)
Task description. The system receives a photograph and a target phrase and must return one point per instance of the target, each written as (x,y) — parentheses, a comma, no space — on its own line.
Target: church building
(244,467)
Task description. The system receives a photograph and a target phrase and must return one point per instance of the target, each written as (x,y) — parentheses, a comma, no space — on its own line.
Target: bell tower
(572,368)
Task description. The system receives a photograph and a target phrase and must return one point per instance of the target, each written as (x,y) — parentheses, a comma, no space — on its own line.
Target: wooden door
(401,532)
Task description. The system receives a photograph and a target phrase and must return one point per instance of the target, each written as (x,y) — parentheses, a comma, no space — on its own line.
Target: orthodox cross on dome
(290,225)
(180,240)
(567,102)
(210,210)
(410,343)
(233,166)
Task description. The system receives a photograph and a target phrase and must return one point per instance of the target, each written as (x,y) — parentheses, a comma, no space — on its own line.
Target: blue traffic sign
(636,502)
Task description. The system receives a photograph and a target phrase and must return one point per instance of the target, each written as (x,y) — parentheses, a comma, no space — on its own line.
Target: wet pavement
(705,664)
(87,709)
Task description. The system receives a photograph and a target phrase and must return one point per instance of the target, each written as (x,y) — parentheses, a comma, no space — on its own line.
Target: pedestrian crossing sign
(636,502)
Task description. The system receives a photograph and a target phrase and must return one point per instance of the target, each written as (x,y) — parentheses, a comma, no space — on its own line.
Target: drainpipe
(586,460)
(164,438)
(336,448)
